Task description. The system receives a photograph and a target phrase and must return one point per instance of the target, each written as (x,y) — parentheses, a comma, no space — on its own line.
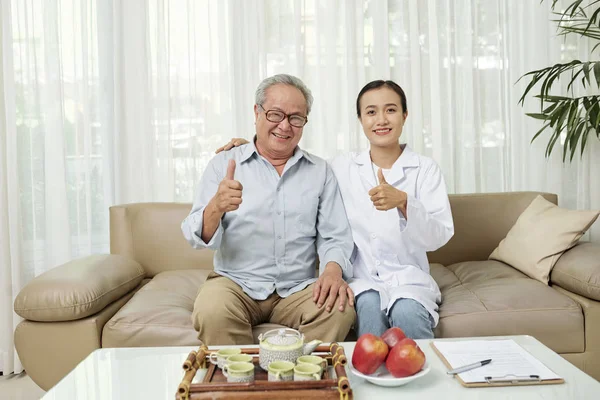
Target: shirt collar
(306,155)
(250,149)
(408,158)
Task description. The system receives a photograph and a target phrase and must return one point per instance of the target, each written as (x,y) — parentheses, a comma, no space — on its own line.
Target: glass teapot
(283,344)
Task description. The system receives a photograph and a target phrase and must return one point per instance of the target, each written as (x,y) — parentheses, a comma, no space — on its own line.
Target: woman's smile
(382,131)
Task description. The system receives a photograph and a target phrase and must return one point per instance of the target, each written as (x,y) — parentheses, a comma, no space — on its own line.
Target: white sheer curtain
(108,102)
(12,271)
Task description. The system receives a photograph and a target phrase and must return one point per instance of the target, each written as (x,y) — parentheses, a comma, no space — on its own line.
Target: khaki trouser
(224,314)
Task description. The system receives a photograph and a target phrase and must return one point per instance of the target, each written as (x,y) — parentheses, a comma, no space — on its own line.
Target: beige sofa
(142,294)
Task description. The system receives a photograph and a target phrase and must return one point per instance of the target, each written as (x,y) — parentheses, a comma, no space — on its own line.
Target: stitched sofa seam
(462,284)
(143,324)
(79,304)
(514,311)
(483,195)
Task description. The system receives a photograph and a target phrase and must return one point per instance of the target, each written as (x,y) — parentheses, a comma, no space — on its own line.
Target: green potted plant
(577,117)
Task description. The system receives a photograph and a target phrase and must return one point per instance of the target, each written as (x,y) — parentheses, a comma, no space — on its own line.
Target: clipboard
(505,380)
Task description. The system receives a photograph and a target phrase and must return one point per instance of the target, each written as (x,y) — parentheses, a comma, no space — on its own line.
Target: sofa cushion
(540,236)
(490,298)
(150,233)
(160,313)
(481,221)
(79,288)
(578,270)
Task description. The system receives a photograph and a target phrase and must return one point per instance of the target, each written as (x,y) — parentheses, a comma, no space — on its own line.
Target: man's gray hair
(261,91)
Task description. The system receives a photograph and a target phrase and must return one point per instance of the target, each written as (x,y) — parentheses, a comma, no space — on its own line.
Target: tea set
(282,353)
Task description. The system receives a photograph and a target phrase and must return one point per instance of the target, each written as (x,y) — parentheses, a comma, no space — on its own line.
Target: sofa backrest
(481,221)
(150,233)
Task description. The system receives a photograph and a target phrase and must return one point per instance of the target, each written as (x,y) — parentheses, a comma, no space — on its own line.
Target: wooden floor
(19,387)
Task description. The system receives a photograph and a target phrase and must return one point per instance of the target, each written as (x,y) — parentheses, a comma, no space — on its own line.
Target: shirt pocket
(304,210)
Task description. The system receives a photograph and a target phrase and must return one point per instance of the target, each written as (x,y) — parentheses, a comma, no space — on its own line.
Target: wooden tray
(215,385)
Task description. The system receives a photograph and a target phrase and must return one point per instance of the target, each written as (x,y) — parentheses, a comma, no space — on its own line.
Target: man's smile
(280,136)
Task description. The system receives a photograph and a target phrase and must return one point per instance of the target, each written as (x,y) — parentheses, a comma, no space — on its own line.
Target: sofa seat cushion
(160,313)
(490,298)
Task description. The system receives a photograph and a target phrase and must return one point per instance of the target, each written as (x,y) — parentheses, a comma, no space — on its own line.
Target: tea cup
(239,372)
(314,360)
(307,372)
(220,357)
(281,371)
(239,358)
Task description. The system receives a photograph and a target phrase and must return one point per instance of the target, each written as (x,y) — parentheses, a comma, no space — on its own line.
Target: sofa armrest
(78,288)
(578,270)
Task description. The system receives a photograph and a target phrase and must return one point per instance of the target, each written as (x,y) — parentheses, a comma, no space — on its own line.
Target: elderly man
(269,208)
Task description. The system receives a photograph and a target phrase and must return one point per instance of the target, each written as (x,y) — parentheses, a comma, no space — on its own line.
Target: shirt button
(278,212)
(279,189)
(278,236)
(377,262)
(388,283)
(374,236)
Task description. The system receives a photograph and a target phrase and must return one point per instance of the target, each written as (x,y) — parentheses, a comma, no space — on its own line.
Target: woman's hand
(235,142)
(385,197)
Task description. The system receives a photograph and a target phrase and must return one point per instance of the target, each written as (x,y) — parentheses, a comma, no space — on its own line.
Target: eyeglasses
(297,121)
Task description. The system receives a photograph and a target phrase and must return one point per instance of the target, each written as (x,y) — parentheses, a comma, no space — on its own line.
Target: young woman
(398,208)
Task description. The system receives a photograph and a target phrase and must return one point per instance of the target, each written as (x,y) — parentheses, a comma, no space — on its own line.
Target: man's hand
(235,142)
(330,286)
(227,198)
(229,193)
(385,197)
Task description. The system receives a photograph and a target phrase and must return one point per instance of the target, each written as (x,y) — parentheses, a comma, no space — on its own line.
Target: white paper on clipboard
(509,360)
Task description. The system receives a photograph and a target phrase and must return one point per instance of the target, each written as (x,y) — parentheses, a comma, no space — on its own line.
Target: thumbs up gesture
(385,197)
(229,193)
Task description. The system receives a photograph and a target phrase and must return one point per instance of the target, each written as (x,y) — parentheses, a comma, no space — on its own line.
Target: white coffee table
(155,373)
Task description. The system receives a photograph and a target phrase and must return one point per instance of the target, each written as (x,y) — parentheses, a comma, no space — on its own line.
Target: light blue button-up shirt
(270,243)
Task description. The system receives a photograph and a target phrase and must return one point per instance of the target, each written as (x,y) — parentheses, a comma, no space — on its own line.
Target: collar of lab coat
(408,159)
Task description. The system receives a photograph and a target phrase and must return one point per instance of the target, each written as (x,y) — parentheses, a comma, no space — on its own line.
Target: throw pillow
(542,233)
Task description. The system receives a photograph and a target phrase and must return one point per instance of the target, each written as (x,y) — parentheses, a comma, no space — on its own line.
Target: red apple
(409,341)
(369,353)
(392,336)
(405,359)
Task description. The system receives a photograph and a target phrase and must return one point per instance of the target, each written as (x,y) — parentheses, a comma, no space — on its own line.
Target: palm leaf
(581,124)
(572,118)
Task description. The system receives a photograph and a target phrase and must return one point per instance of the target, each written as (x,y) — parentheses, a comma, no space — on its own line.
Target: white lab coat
(390,253)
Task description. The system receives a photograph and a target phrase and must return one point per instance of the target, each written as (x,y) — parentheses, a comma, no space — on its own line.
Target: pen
(469,367)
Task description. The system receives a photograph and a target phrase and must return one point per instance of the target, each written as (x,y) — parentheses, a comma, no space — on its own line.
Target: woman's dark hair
(376,85)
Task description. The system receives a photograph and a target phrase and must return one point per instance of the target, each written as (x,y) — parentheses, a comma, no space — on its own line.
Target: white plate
(382,377)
